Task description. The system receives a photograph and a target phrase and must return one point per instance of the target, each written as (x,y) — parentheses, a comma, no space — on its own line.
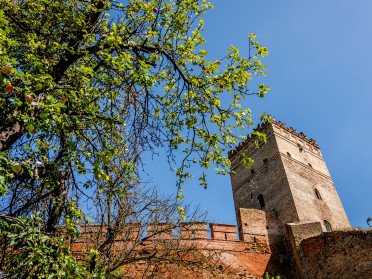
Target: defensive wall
(245,256)
(338,254)
(252,250)
(290,220)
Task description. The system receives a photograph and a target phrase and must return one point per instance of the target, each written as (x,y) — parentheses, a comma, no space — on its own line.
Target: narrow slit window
(317,194)
(192,234)
(261,201)
(225,236)
(252,171)
(289,155)
(300,147)
(310,165)
(327,226)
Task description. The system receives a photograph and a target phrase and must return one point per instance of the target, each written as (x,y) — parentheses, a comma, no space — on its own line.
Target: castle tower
(289,178)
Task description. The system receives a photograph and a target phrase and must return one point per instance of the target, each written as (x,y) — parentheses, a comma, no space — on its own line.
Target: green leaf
(3,188)
(38,86)
(30,127)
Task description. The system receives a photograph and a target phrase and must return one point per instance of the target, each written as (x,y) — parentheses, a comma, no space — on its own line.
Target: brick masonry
(290,219)
(290,178)
(218,243)
(338,254)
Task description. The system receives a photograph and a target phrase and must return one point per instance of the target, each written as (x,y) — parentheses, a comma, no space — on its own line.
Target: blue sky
(320,72)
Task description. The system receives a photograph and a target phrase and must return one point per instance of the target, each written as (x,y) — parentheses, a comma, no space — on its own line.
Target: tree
(88,86)
(141,240)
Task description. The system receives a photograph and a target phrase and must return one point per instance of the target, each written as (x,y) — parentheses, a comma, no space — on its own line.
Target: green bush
(30,253)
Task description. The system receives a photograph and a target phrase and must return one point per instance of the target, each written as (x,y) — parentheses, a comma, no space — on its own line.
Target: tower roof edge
(272,121)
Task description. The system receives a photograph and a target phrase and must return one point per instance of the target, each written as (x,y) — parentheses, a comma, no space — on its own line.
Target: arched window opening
(300,147)
(327,226)
(317,194)
(252,171)
(289,155)
(261,201)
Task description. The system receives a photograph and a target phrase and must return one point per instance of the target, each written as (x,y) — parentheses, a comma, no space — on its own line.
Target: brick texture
(284,205)
(340,254)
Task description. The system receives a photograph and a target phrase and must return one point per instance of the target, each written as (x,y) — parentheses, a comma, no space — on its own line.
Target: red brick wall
(339,254)
(229,257)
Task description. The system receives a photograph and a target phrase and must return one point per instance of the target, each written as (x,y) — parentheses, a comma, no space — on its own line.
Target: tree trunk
(9,134)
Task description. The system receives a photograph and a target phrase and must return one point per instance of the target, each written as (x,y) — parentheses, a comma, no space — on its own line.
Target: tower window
(300,147)
(261,201)
(289,155)
(252,171)
(192,234)
(317,194)
(327,226)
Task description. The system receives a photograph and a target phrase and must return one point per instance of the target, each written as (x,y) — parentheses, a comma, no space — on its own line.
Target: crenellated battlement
(293,131)
(250,144)
(218,245)
(254,221)
(183,230)
(200,235)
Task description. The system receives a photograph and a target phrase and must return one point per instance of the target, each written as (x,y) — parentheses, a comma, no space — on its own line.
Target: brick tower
(289,178)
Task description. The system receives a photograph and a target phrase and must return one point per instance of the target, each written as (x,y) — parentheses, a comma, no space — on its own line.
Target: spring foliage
(87,86)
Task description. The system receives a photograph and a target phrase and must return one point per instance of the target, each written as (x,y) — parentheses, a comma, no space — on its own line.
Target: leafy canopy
(87,86)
